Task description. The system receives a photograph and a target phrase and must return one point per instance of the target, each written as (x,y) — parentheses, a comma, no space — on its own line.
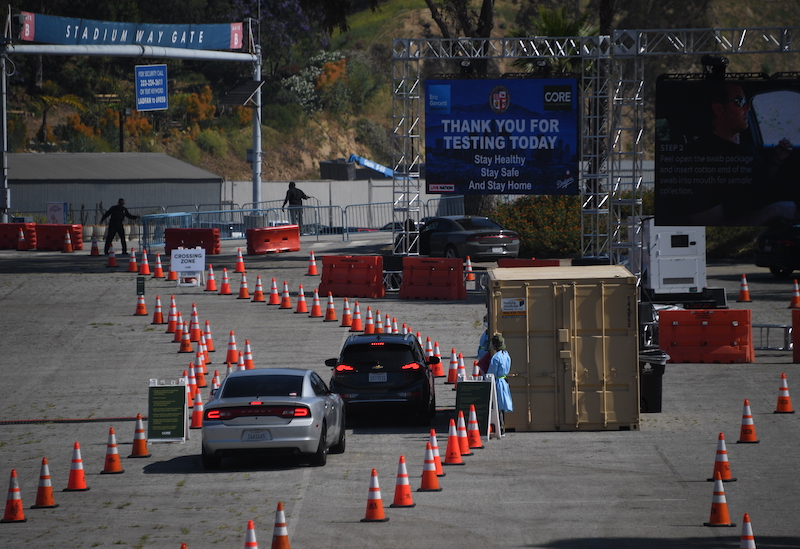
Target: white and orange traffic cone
(22,244)
(44,494)
(158,315)
(280,534)
(199,374)
(158,272)
(139,440)
(721,464)
(402,490)
(258,293)
(369,324)
(132,267)
(347,317)
(244,293)
(141,307)
(239,262)
(316,307)
(197,412)
(378,322)
(172,319)
(330,310)
(437,459)
(240,365)
(203,349)
(192,383)
(747,541)
(473,429)
(14,511)
(113,465)
(194,325)
(463,439)
(250,541)
(144,268)
(301,301)
(468,274)
(795,302)
(225,287)
(452,372)
(211,282)
(233,354)
(719,506)
(208,338)
(95,251)
(476,370)
(312,265)
(461,371)
(248,356)
(286,298)
(430,480)
(356,325)
(179,327)
(112,257)
(274,296)
(172,275)
(67,244)
(374,501)
(747,434)
(77,477)
(186,342)
(428,346)
(453,452)
(784,400)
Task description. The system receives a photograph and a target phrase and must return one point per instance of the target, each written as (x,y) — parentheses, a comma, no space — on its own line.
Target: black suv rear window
(263,386)
(478,223)
(391,356)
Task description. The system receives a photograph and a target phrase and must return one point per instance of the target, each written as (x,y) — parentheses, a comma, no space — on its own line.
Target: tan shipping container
(572,334)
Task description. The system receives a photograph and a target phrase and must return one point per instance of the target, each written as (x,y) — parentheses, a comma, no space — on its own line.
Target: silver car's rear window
(263,386)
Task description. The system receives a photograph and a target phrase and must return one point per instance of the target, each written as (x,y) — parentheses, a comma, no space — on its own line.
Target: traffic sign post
(151,88)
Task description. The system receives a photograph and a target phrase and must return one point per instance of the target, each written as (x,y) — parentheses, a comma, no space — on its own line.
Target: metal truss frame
(612,115)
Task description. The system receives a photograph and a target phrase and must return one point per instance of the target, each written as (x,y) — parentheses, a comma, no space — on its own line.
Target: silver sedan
(273,411)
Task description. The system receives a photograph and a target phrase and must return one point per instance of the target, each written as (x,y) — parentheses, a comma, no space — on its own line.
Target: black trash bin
(652,364)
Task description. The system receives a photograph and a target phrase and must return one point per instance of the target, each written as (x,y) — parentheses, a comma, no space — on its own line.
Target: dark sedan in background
(778,249)
(480,238)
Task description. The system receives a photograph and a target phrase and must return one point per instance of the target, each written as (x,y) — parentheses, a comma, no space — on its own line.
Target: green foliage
(282,117)
(190,152)
(212,142)
(304,84)
(731,242)
(548,226)
(376,137)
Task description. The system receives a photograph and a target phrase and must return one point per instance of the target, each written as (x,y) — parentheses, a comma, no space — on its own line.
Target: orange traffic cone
(721,465)
(437,459)
(132,268)
(158,315)
(139,440)
(747,541)
(347,318)
(178,334)
(192,384)
(402,490)
(258,294)
(197,412)
(356,325)
(141,307)
(280,534)
(428,346)
(795,303)
(476,370)
(244,293)
(67,244)
(436,352)
(189,391)
(14,511)
(378,322)
(468,274)
(784,400)
(274,297)
(199,375)
(286,299)
(248,356)
(44,494)
(330,311)
(719,506)
(211,282)
(748,430)
(144,268)
(112,464)
(186,342)
(239,262)
(301,301)
(172,319)
(172,276)
(452,372)
(22,244)
(240,365)
(250,539)
(463,439)
(374,501)
(204,351)
(369,324)
(209,339)
(453,453)
(233,354)
(461,371)
(312,265)
(95,249)
(430,480)
(316,308)
(473,429)
(77,478)
(395,330)
(225,287)
(159,270)
(112,258)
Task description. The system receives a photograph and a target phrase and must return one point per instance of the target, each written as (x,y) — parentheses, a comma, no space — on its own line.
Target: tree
(48,103)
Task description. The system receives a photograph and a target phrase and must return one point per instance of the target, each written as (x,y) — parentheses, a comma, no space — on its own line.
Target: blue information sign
(151,88)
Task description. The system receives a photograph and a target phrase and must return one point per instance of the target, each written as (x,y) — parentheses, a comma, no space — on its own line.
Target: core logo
(499,99)
(558,98)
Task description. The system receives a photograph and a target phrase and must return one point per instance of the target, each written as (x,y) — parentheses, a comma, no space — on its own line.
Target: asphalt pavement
(75,361)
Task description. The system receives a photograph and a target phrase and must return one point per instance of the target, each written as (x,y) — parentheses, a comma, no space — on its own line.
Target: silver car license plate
(497,249)
(377,378)
(256,435)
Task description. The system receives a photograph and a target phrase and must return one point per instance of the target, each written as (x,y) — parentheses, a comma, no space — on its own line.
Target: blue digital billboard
(502,136)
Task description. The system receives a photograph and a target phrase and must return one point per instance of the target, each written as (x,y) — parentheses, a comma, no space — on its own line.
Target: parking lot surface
(75,361)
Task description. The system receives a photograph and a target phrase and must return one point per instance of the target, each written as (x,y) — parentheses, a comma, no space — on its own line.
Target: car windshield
(479,223)
(263,386)
(391,356)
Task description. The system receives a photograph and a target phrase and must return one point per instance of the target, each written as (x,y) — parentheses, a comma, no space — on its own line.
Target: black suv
(387,370)
(779,249)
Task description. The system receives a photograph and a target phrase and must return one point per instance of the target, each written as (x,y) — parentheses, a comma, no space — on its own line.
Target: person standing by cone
(117,215)
(499,366)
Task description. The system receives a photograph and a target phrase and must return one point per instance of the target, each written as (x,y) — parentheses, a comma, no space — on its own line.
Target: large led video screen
(724,154)
(502,136)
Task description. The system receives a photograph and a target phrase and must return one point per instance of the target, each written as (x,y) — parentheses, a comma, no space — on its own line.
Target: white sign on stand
(190,264)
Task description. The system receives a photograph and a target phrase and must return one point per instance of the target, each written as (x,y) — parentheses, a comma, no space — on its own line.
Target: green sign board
(478,393)
(167,415)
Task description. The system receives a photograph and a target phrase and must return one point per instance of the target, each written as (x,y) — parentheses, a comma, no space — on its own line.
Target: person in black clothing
(117,215)
(295,197)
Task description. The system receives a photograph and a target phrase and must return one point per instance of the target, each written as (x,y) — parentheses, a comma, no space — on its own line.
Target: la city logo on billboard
(499,99)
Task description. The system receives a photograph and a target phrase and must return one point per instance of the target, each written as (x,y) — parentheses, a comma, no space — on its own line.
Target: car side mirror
(331,362)
(433,360)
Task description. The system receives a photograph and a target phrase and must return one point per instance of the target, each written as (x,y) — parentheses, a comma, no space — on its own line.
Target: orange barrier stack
(747,541)
(352,276)
(473,429)
(316,307)
(468,274)
(159,270)
(795,302)
(430,480)
(356,325)
(258,294)
(141,307)
(301,301)
(312,265)
(532,262)
(701,335)
(402,490)
(233,354)
(240,268)
(244,293)
(112,257)
(719,506)
(132,267)
(286,299)
(144,268)
(784,400)
(14,511)
(211,282)
(437,459)
(748,430)
(112,466)
(429,278)
(374,501)
(52,237)
(744,291)
(264,240)
(158,315)
(67,243)
(139,440)
(225,287)
(208,239)
(11,239)
(209,339)
(369,324)
(280,534)
(463,439)
(77,478)
(274,297)
(347,318)
(44,493)
(95,250)
(330,311)
(452,454)
(721,465)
